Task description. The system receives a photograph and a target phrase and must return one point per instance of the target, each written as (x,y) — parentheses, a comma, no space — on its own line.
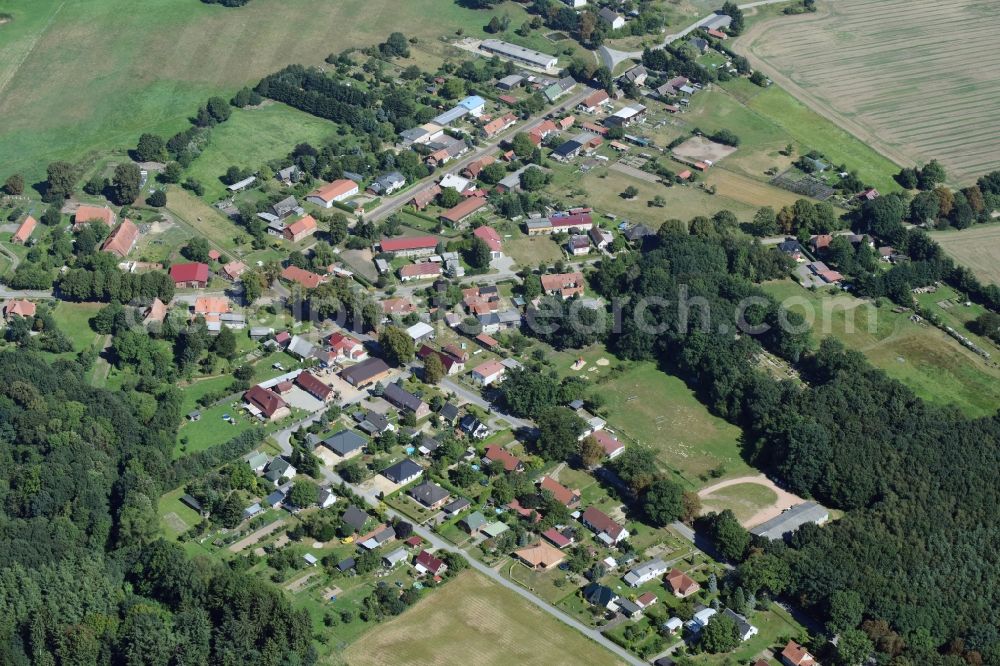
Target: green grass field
(767,120)
(474,621)
(648,406)
(82,76)
(73,319)
(921,356)
(745,499)
(251,137)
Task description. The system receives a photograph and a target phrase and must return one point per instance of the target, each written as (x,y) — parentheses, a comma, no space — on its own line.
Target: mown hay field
(475,622)
(977,248)
(918,79)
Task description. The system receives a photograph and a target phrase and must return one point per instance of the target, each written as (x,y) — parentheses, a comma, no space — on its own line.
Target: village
(367,402)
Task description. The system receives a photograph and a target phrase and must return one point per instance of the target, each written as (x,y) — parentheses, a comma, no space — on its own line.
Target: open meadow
(645,405)
(976,248)
(251,137)
(474,621)
(917,79)
(935,366)
(80,76)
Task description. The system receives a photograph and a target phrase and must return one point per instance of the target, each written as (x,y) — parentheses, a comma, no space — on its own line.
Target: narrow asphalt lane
(611,57)
(392,204)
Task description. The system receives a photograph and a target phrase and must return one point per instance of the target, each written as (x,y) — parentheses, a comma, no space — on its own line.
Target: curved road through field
(611,57)
(785,500)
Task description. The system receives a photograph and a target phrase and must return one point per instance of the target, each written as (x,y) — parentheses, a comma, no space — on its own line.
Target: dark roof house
(344,442)
(403,472)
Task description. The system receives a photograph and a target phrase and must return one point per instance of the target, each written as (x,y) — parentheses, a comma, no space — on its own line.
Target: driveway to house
(786,500)
(391,204)
(25,293)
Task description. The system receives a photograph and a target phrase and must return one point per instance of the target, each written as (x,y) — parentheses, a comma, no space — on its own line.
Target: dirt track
(785,499)
(254,537)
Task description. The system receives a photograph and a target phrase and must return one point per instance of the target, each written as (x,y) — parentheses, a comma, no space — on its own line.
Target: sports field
(85,75)
(474,621)
(977,248)
(933,365)
(917,79)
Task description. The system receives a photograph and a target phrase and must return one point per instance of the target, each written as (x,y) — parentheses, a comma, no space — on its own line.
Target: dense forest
(913,564)
(85,578)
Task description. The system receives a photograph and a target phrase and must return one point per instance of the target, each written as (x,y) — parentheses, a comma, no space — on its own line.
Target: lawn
(474,621)
(775,625)
(532,251)
(767,120)
(604,187)
(745,499)
(211,430)
(921,356)
(195,214)
(162,243)
(252,137)
(73,319)
(647,406)
(165,60)
(176,517)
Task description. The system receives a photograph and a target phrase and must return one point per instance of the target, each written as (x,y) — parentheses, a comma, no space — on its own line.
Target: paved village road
(394,203)
(593,634)
(470,396)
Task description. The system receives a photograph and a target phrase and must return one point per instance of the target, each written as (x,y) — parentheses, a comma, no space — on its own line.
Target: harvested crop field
(977,248)
(476,622)
(917,79)
(700,149)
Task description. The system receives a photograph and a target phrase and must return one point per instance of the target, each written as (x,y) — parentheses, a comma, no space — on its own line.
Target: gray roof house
(403,399)
(403,472)
(600,595)
(645,572)
(510,82)
(474,522)
(629,608)
(449,412)
(372,422)
(388,183)
(791,520)
(743,626)
(354,518)
(395,557)
(453,507)
(345,442)
(430,494)
(300,347)
(278,469)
